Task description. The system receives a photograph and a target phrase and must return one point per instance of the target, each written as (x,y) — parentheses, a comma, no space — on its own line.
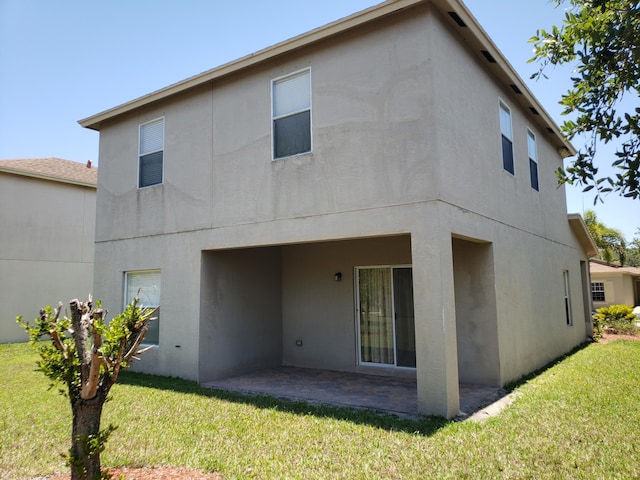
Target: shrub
(615,319)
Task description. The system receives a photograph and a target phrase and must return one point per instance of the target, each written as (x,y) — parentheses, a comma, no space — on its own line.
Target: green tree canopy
(611,244)
(633,250)
(602,39)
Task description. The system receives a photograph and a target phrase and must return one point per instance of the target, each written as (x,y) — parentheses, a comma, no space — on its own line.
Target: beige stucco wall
(319,311)
(46,247)
(223,174)
(619,289)
(466,106)
(241,312)
(405,147)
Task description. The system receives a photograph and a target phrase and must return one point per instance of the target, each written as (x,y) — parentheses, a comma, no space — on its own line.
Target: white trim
(359,361)
(274,117)
(140,126)
(603,291)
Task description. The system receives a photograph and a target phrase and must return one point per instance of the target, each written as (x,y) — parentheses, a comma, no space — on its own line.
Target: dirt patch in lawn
(610,337)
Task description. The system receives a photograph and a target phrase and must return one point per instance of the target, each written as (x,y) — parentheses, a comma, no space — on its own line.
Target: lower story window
(145,285)
(597,292)
(567,298)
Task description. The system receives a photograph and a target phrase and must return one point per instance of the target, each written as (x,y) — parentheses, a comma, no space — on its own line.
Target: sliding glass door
(385,316)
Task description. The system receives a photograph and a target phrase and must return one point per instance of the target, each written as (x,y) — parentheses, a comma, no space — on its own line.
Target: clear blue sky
(64,60)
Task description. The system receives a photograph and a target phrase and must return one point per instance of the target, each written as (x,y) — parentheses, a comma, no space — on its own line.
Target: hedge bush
(618,319)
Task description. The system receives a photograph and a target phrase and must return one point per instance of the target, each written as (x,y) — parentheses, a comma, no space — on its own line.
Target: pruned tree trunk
(89,364)
(85,445)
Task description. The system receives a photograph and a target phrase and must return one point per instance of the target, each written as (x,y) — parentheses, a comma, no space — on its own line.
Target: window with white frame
(597,292)
(145,285)
(291,114)
(567,297)
(533,159)
(506,138)
(151,153)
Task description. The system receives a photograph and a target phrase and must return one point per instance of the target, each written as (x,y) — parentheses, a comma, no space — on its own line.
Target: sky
(65,60)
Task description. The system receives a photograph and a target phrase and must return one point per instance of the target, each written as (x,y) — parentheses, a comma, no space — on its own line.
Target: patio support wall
(435,323)
(241,312)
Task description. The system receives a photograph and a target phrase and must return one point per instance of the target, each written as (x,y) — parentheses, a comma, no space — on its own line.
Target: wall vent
(457,19)
(534,111)
(515,88)
(488,56)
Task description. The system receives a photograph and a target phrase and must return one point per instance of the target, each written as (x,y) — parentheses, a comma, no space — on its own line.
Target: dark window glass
(150,169)
(507,155)
(404,317)
(292,135)
(533,169)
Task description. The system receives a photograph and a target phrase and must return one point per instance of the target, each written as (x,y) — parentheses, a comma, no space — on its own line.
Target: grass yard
(578,419)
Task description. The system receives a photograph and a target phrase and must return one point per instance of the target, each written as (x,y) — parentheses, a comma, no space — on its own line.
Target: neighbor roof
(55,169)
(461,19)
(596,266)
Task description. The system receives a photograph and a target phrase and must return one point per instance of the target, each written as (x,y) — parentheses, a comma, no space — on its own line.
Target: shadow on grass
(423,426)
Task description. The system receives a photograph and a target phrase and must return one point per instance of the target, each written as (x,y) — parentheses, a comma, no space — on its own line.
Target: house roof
(454,11)
(598,266)
(581,231)
(55,169)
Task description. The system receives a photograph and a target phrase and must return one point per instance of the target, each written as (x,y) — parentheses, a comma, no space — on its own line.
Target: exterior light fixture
(338,276)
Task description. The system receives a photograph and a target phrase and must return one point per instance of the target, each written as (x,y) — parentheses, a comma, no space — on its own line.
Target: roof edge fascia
(576,222)
(478,36)
(51,178)
(483,38)
(299,41)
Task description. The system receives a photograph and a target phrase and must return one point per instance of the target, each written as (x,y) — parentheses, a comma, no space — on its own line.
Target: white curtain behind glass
(376,315)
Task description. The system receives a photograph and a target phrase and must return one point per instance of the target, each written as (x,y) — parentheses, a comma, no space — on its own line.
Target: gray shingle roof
(55,169)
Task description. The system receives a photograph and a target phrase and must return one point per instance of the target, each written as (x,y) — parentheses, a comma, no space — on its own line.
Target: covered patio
(345,389)
(343,313)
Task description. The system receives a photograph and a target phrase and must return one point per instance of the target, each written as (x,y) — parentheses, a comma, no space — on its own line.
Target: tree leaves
(610,242)
(602,39)
(105,348)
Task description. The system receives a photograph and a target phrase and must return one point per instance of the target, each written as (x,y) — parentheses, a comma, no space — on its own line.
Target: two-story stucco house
(375,196)
(47,227)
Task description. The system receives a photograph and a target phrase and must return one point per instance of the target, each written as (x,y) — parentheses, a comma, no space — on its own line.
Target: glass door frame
(356,279)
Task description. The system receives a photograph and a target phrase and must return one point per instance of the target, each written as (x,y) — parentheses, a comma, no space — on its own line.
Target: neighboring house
(47,228)
(377,196)
(614,285)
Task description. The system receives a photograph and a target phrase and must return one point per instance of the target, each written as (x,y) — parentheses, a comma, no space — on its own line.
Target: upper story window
(533,159)
(506,134)
(151,153)
(291,114)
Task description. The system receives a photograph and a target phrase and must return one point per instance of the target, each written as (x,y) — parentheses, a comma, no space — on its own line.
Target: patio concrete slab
(387,394)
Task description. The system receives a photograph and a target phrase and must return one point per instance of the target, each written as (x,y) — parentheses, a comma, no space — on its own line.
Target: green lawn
(578,419)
